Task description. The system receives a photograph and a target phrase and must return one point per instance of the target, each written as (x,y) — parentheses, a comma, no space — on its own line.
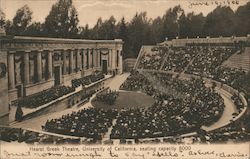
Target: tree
(220,22)
(35,29)
(7,27)
(21,20)
(122,29)
(62,20)
(110,28)
(184,28)
(191,25)
(2,19)
(96,31)
(86,32)
(170,22)
(195,24)
(73,22)
(243,20)
(123,34)
(157,28)
(140,33)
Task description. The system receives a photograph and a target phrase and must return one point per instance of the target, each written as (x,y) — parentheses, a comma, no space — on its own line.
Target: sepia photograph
(124,79)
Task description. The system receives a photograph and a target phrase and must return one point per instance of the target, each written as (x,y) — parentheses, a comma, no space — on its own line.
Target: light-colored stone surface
(39,48)
(227,114)
(239,60)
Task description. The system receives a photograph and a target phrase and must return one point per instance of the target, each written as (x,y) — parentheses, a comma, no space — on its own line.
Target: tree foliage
(21,20)
(35,29)
(220,22)
(243,20)
(2,19)
(62,22)
(122,33)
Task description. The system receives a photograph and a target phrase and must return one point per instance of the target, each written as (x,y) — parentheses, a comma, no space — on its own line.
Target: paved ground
(227,114)
(117,81)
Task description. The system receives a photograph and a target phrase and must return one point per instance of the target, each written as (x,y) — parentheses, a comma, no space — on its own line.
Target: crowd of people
(233,132)
(171,113)
(43,97)
(134,82)
(237,101)
(20,135)
(209,59)
(89,123)
(230,133)
(231,76)
(107,96)
(207,62)
(152,59)
(181,106)
(48,95)
(87,80)
(178,58)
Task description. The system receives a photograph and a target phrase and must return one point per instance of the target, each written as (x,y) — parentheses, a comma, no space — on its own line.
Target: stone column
(90,60)
(98,57)
(113,59)
(39,65)
(120,61)
(64,52)
(110,59)
(50,67)
(93,58)
(26,68)
(11,70)
(79,60)
(84,59)
(71,61)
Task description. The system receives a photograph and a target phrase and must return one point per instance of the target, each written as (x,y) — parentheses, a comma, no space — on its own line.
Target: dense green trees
(62,22)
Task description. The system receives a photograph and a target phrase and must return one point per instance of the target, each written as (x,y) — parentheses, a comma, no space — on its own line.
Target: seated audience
(43,97)
(107,96)
(90,123)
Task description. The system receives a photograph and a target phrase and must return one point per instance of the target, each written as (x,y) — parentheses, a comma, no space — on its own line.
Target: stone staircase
(239,60)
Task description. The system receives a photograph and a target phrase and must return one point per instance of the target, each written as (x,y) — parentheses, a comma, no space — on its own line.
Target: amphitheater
(179,91)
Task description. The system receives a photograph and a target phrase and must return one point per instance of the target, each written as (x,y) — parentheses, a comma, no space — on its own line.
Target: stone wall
(4,106)
(129,64)
(216,40)
(36,63)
